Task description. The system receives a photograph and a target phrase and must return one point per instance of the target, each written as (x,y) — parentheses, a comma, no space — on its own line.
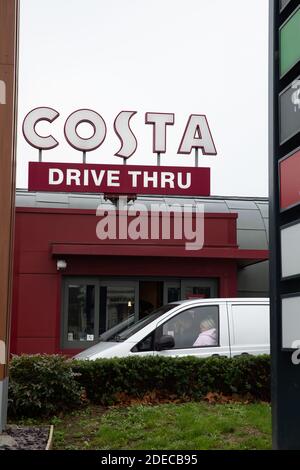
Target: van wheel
(243,354)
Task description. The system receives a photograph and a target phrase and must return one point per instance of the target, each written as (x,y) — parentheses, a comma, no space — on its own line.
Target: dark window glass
(81,313)
(173,294)
(194,327)
(102,316)
(145,345)
(145,321)
(120,301)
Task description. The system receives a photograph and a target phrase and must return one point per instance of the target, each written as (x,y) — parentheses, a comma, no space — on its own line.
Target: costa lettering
(196,134)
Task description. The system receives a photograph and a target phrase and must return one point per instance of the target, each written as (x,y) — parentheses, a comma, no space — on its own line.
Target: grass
(188,426)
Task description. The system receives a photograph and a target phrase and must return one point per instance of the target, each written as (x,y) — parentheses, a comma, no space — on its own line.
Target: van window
(145,345)
(144,322)
(194,327)
(250,324)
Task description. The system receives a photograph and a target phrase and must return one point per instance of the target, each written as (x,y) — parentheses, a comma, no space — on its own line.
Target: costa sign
(123,180)
(196,135)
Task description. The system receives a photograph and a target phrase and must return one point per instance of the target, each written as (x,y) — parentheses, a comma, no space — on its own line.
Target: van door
(249,327)
(186,328)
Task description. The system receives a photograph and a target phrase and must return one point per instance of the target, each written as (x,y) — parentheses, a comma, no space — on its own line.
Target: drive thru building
(69,286)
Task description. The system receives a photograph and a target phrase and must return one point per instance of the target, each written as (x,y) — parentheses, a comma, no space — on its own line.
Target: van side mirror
(165,342)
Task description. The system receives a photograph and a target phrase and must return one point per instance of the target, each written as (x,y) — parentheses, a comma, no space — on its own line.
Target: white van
(199,327)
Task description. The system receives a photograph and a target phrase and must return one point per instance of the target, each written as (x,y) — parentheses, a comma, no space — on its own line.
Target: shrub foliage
(43,385)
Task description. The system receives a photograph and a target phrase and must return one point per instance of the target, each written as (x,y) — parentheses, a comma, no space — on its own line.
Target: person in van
(182,329)
(208,333)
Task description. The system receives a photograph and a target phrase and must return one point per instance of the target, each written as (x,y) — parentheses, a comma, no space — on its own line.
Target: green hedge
(188,377)
(41,385)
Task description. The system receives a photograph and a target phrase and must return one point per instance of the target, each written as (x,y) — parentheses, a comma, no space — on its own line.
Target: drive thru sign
(117,179)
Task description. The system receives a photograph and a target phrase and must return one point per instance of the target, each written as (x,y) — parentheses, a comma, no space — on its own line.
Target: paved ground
(24,438)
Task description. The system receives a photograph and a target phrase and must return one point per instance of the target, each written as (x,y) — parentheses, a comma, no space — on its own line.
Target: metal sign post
(9,13)
(284,220)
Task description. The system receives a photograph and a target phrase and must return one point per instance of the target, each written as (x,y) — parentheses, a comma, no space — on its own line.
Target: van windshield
(143,322)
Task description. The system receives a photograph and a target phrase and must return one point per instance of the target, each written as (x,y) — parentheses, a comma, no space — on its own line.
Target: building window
(120,302)
(94,305)
(81,313)
(80,322)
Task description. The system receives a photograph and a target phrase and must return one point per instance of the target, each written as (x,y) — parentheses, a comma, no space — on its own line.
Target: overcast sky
(186,57)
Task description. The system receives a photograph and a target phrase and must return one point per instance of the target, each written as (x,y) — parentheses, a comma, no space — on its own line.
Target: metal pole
(84,157)
(285,377)
(196,158)
(40,155)
(124,161)
(9,18)
(158,158)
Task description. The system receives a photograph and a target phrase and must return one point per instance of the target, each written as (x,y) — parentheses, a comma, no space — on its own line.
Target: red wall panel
(36,306)
(35,346)
(37,283)
(40,228)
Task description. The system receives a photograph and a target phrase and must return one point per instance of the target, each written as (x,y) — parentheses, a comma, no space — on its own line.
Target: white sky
(187,57)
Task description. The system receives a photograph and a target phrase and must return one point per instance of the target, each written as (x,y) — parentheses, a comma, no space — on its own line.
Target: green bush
(41,385)
(179,377)
(48,384)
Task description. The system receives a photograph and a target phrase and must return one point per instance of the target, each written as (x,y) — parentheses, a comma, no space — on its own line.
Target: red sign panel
(289,175)
(119,179)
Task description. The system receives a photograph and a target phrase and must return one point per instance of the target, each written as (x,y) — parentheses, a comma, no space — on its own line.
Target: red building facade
(69,286)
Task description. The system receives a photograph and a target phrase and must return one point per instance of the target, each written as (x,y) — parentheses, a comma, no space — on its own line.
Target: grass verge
(187,426)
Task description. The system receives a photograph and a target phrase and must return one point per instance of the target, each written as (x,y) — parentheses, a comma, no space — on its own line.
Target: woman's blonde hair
(207,324)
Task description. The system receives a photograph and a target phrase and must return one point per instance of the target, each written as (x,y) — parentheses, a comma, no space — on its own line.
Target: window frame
(83,281)
(122,283)
(182,283)
(160,325)
(97,282)
(101,281)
